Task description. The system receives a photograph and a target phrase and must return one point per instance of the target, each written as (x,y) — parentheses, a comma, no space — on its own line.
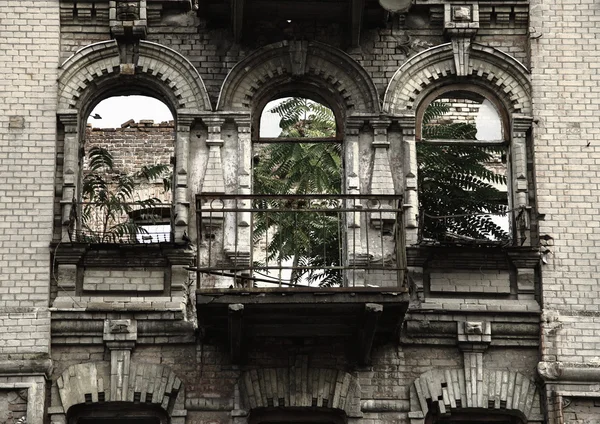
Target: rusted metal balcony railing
(314,240)
(510,228)
(122,223)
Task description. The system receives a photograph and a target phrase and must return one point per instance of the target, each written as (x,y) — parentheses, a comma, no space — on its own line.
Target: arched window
(126,172)
(463,168)
(476,416)
(116,413)
(297,174)
(296,415)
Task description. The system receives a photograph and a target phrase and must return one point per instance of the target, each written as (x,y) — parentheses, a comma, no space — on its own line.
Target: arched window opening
(475,416)
(116,413)
(126,172)
(297,176)
(462,158)
(295,415)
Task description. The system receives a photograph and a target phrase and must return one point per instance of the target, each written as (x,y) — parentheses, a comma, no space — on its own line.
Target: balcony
(301,266)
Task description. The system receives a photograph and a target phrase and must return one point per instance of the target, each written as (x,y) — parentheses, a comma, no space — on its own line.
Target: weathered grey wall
(563,50)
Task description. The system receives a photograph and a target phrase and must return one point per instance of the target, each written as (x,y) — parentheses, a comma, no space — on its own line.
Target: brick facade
(439,332)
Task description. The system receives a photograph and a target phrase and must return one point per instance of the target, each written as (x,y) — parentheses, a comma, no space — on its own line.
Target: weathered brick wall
(127,279)
(565,62)
(13,405)
(29,50)
(581,411)
(455,281)
(135,144)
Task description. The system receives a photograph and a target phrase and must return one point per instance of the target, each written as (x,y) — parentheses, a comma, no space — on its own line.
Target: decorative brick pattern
(150,384)
(498,390)
(298,387)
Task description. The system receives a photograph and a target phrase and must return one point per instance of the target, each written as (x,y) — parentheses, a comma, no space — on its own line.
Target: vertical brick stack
(565,60)
(29,48)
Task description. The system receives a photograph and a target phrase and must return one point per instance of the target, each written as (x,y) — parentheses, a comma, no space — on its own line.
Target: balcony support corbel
(367,332)
(236,324)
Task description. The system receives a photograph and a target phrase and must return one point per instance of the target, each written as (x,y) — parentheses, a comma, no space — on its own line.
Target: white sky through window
(117,110)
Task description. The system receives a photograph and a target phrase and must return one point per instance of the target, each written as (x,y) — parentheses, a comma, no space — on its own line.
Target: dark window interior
(144,420)
(294,415)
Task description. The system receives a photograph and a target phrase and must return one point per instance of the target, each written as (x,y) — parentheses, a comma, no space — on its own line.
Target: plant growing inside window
(305,239)
(109,199)
(457,186)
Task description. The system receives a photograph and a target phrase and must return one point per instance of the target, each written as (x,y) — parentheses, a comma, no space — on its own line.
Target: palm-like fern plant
(456,182)
(109,198)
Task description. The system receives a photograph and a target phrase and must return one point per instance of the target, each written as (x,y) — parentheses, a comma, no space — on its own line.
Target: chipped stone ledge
(26,367)
(560,372)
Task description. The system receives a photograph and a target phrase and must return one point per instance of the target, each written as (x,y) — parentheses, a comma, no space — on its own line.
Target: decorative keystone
(461,23)
(128,18)
(120,330)
(474,335)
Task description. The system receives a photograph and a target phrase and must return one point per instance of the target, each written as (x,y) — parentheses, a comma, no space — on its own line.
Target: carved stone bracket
(461,23)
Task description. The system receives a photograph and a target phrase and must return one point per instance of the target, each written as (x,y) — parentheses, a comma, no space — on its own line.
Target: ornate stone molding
(128,18)
(337,73)
(487,66)
(461,23)
(95,63)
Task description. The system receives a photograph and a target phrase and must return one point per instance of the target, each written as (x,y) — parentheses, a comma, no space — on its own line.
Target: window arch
(463,151)
(126,171)
(99,71)
(116,413)
(297,415)
(476,416)
(495,75)
(300,167)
